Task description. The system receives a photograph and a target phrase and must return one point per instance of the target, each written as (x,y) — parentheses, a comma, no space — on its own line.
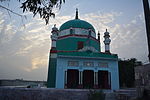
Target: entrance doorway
(88,79)
(72,78)
(103,80)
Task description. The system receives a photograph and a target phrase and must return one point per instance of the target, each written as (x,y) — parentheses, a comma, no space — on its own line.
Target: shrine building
(76,60)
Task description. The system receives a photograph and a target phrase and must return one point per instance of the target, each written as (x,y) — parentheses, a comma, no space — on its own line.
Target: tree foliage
(126,72)
(44,8)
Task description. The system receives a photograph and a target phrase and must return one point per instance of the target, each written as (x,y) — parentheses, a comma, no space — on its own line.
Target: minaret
(99,41)
(52,59)
(107,42)
(147,22)
(54,37)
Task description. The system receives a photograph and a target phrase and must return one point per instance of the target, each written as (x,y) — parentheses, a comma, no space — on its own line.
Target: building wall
(62,66)
(77,31)
(51,80)
(142,75)
(142,79)
(114,74)
(42,94)
(70,44)
(20,82)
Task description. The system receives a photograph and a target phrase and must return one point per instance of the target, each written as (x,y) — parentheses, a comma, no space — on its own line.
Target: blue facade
(62,66)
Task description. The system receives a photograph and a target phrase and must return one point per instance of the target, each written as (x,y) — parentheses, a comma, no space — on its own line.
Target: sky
(25,42)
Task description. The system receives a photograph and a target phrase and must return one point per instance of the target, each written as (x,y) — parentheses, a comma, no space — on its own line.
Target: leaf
(43,8)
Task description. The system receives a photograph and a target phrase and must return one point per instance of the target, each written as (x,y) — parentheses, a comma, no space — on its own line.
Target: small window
(90,32)
(80,45)
(88,64)
(73,63)
(103,64)
(72,31)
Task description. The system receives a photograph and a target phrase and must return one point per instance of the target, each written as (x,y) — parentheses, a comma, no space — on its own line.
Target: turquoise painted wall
(70,43)
(115,74)
(62,65)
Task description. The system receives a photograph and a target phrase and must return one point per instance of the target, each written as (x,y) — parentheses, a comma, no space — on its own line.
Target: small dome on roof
(106,33)
(55,28)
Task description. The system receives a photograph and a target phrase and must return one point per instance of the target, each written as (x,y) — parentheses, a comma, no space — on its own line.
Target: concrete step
(126,94)
(110,96)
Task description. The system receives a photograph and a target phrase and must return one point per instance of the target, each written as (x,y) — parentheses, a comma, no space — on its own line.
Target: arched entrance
(72,78)
(103,80)
(88,79)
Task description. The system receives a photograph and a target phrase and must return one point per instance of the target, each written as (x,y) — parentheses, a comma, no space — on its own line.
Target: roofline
(86,56)
(57,51)
(103,58)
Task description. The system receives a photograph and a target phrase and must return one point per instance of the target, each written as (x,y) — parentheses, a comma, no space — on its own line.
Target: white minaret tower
(107,42)
(52,59)
(54,37)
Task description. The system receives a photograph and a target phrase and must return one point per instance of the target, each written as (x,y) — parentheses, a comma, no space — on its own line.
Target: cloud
(128,40)
(102,18)
(76,5)
(37,63)
(6,30)
(24,51)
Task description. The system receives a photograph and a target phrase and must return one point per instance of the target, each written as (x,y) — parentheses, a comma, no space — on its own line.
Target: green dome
(76,23)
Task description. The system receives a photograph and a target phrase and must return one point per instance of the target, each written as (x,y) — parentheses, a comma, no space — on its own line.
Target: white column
(79,77)
(65,77)
(96,76)
(109,78)
(95,79)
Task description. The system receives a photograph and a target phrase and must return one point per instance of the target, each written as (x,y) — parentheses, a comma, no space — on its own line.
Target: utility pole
(147,22)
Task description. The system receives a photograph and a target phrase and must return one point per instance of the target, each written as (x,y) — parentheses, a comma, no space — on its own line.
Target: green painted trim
(70,44)
(51,80)
(88,54)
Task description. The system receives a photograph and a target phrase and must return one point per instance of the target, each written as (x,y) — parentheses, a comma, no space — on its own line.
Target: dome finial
(76,17)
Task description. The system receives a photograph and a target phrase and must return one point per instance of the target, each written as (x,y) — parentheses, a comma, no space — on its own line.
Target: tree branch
(11,11)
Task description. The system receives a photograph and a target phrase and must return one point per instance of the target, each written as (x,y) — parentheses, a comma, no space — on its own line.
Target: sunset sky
(25,43)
